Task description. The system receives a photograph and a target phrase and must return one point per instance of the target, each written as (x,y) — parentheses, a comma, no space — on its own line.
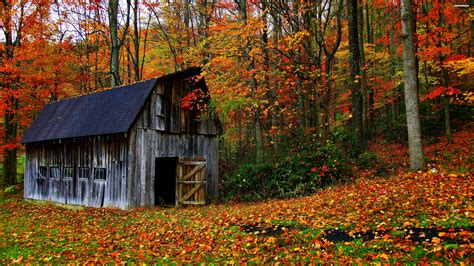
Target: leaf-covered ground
(421,216)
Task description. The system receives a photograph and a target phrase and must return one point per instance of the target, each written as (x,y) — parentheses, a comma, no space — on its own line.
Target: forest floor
(424,216)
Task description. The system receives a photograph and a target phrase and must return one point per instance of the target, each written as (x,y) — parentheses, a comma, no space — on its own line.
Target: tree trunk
(253,85)
(275,107)
(203,29)
(10,124)
(444,82)
(371,120)
(116,42)
(136,43)
(10,154)
(239,135)
(411,93)
(393,117)
(363,81)
(354,54)
(115,48)
(369,29)
(447,119)
(299,90)
(270,92)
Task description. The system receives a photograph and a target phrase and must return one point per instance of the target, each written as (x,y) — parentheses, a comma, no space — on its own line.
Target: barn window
(100,174)
(41,171)
(83,172)
(160,112)
(54,172)
(68,172)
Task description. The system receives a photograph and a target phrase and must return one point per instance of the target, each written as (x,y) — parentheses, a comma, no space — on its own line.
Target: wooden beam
(193,172)
(194,202)
(193,182)
(193,163)
(178,185)
(190,193)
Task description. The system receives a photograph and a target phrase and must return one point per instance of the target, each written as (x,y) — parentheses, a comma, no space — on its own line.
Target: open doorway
(165,180)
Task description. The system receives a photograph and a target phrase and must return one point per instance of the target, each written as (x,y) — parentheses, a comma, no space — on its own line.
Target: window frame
(96,169)
(87,172)
(64,173)
(51,172)
(160,108)
(39,173)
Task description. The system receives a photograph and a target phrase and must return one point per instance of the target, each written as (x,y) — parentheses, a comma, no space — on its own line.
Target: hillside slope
(421,216)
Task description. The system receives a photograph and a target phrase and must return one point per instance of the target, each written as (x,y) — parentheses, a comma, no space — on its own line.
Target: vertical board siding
(142,160)
(109,152)
(148,141)
(162,129)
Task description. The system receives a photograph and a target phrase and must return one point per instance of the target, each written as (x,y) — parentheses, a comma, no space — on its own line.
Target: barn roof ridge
(105,112)
(104,89)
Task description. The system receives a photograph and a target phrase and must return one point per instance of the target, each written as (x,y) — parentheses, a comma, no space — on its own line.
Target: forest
(347,128)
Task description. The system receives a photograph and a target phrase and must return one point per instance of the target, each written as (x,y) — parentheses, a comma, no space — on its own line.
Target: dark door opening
(165,180)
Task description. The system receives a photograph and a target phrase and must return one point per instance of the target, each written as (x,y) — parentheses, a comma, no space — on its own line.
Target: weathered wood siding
(162,130)
(109,152)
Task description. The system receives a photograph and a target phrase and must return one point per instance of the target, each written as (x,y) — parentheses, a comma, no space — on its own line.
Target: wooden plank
(202,192)
(194,163)
(129,183)
(178,186)
(193,182)
(190,193)
(192,158)
(192,172)
(79,152)
(194,202)
(175,108)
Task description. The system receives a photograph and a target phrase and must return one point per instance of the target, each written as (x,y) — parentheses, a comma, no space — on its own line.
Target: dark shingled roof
(107,112)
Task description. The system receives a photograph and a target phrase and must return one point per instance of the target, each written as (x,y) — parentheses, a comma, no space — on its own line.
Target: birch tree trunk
(411,94)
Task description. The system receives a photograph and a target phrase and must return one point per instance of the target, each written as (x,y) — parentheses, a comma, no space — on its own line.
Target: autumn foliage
(279,80)
(417,217)
(275,71)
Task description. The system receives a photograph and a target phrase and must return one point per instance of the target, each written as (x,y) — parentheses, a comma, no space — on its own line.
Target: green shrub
(11,190)
(289,177)
(368,159)
(395,132)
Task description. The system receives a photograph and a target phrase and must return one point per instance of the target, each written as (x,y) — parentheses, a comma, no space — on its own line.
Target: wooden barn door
(191,182)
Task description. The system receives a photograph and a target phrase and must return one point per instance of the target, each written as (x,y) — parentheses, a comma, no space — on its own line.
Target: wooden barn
(131,146)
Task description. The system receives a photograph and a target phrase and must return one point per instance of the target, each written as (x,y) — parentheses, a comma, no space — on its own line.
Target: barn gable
(101,113)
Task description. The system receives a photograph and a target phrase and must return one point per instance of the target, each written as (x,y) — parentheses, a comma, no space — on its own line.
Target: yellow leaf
(18,260)
(383,256)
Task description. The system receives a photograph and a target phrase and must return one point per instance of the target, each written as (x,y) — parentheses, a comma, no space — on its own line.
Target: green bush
(289,177)
(368,159)
(395,132)
(11,190)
